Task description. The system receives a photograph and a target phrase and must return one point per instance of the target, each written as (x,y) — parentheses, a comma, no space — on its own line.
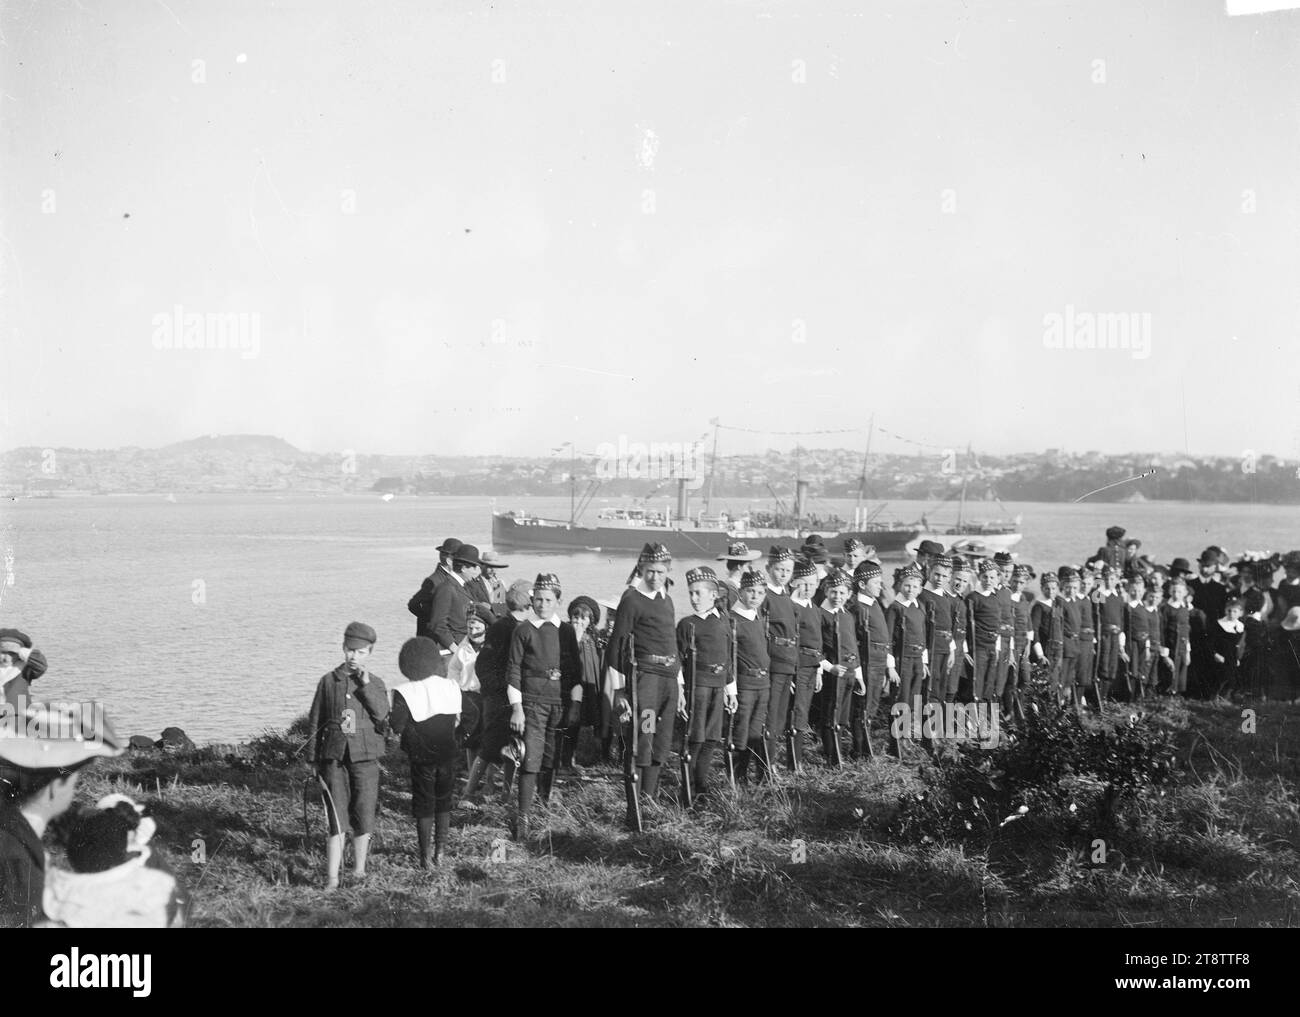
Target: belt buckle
(553,674)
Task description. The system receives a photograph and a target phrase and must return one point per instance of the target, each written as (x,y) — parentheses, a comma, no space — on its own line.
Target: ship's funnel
(681,497)
(800,498)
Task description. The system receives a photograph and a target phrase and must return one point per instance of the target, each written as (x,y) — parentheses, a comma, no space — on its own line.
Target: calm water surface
(219,613)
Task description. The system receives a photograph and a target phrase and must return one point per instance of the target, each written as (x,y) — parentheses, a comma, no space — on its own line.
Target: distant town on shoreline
(235,464)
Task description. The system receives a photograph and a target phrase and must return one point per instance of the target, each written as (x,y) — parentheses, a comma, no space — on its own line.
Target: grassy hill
(1219,843)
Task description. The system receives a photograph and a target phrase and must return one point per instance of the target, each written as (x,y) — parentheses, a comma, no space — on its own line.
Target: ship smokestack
(800,497)
(681,498)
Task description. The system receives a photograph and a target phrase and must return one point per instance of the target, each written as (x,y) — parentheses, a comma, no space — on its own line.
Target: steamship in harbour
(703,535)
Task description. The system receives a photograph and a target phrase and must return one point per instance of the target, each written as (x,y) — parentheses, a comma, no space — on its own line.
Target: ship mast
(862,478)
(965,479)
(713,465)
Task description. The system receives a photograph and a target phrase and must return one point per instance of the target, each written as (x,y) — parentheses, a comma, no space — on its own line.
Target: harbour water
(219,613)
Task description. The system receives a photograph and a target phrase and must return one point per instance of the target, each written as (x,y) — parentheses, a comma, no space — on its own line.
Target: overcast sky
(467,230)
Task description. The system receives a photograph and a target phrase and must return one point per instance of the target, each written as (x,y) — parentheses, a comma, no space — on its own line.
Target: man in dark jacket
(448,623)
(422,602)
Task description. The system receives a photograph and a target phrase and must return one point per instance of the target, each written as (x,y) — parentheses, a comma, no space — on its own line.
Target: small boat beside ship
(970,536)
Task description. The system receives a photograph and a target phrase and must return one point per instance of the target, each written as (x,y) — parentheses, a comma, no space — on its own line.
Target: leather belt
(753,672)
(656,658)
(553,674)
(943,632)
(783,641)
(1112,628)
(712,668)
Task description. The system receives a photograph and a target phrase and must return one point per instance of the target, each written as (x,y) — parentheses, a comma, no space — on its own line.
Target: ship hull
(989,541)
(509,533)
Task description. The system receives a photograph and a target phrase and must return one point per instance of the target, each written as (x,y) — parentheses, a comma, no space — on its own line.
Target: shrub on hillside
(1050,765)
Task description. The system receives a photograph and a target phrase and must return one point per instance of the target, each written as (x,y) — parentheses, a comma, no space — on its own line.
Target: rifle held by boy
(688,791)
(837,756)
(631,775)
(729,746)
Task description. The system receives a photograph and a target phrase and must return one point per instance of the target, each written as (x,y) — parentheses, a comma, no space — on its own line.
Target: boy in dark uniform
(841,663)
(1208,596)
(983,631)
(1048,632)
(753,672)
(1151,597)
(937,604)
(1134,638)
(38,778)
(1110,621)
(714,689)
(490,667)
(808,677)
(782,646)
(908,639)
(647,622)
(1112,552)
(855,553)
(539,678)
(349,718)
(875,653)
(1021,635)
(1006,624)
(1077,630)
(1175,635)
(963,659)
(578,641)
(738,559)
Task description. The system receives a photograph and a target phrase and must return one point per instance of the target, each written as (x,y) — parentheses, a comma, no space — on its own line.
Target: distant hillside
(238,444)
(249,463)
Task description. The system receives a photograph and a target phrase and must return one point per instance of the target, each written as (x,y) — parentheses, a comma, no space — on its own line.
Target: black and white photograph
(721,464)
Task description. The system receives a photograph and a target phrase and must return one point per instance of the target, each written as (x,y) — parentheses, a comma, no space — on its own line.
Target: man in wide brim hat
(1179,567)
(816,553)
(739,551)
(492,560)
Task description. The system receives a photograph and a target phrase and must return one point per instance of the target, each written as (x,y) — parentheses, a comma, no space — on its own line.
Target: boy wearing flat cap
(349,718)
(38,777)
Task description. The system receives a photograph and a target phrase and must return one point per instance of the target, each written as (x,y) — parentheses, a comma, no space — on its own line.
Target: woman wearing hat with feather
(38,777)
